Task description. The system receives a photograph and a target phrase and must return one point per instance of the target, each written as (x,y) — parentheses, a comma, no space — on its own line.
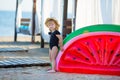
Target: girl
(55,41)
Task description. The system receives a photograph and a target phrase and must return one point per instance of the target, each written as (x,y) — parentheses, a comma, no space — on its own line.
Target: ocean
(7,22)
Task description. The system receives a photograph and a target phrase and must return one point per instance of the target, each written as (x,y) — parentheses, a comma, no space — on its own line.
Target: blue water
(7,22)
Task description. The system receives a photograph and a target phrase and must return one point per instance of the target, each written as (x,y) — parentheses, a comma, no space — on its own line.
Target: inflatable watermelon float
(93,50)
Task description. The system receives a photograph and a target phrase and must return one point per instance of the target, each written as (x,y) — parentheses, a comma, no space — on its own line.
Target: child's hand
(61,48)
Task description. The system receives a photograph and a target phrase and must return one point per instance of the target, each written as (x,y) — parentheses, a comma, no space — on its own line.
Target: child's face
(51,25)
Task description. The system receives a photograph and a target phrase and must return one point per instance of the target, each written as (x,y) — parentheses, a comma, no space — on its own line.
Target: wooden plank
(13,50)
(25,24)
(23,62)
(25,19)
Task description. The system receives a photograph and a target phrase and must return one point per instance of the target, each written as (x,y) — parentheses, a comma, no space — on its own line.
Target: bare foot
(51,71)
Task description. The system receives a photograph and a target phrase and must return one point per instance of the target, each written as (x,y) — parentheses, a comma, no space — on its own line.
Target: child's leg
(54,53)
(50,55)
(50,58)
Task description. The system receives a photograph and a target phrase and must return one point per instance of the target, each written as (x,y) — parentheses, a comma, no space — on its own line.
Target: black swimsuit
(54,41)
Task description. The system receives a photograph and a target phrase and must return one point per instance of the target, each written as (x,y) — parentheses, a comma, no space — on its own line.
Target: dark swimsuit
(54,41)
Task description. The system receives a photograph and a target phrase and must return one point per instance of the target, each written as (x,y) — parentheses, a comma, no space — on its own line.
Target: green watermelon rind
(93,28)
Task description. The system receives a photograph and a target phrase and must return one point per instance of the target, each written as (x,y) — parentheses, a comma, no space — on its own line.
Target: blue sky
(11,4)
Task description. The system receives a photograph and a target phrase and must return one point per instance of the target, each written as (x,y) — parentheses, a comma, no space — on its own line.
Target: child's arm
(60,42)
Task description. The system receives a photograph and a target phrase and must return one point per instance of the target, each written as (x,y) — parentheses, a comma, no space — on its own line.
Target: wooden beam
(42,40)
(75,9)
(64,15)
(15,34)
(33,21)
(65,10)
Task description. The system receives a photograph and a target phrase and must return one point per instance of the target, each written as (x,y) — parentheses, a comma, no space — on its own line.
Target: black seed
(78,49)
(118,55)
(74,58)
(111,51)
(87,59)
(111,39)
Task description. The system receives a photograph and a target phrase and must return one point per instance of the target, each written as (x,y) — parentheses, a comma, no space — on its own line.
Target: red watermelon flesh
(95,52)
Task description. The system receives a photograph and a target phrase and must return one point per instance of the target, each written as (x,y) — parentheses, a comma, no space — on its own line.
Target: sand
(40,73)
